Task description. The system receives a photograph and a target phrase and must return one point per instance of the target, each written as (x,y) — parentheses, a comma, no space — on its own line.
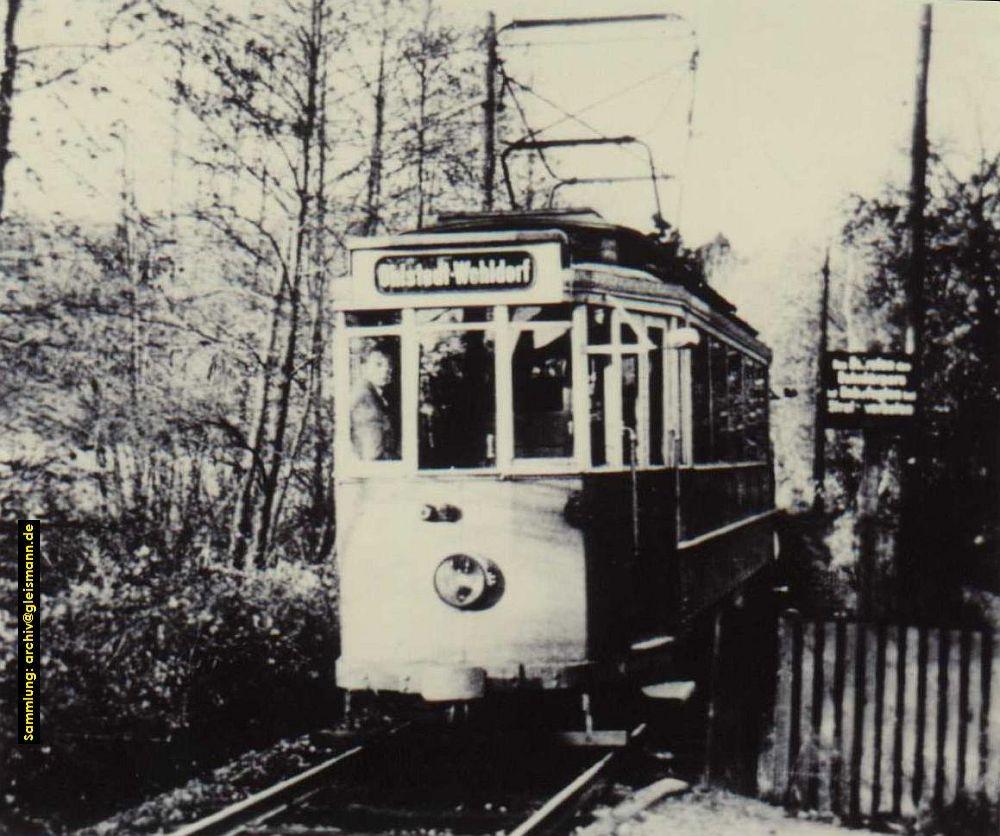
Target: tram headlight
(468,583)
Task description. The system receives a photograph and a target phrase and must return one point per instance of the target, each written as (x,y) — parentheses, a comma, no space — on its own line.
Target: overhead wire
(532,134)
(573,117)
(693,68)
(622,91)
(602,42)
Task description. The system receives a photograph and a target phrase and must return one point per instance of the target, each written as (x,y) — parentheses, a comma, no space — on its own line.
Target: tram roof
(592,240)
(588,234)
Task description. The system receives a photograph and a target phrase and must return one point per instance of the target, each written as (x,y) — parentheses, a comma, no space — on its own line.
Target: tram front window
(457,426)
(375,398)
(543,405)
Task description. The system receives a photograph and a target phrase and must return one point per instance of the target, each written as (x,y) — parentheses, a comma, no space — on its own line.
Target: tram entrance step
(679,690)
(602,738)
(652,643)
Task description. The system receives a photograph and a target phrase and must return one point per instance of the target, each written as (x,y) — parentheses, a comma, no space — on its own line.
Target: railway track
(414,778)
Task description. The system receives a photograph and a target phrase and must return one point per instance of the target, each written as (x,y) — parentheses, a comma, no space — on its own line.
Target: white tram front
(551,452)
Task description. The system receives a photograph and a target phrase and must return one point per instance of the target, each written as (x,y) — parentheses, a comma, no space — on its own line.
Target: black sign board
(868,390)
(454,271)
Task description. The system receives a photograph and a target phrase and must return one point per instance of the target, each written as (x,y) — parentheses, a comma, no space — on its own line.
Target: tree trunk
(421,143)
(373,208)
(7,94)
(302,236)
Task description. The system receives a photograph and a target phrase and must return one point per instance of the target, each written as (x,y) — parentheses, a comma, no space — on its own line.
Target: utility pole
(490,114)
(918,196)
(819,431)
(912,438)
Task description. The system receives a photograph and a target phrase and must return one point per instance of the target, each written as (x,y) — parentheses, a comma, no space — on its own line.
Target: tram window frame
(723,402)
(410,328)
(364,325)
(373,319)
(628,334)
(466,403)
(375,416)
(546,321)
(657,382)
(673,373)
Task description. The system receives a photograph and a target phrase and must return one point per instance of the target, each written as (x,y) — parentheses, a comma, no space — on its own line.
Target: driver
(373,420)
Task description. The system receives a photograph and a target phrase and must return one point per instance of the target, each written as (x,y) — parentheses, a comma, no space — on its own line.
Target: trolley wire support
(537,23)
(543,144)
(490,104)
(595,181)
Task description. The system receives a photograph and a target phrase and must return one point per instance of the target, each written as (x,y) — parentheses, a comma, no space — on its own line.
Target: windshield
(457,406)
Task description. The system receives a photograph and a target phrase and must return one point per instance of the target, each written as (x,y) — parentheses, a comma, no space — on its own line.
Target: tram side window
(543,404)
(375,398)
(736,447)
(362,319)
(598,325)
(655,395)
(457,412)
(598,381)
(630,407)
(701,406)
(721,400)
(729,404)
(755,379)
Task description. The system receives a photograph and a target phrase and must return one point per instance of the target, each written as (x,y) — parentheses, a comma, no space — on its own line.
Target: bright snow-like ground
(718,813)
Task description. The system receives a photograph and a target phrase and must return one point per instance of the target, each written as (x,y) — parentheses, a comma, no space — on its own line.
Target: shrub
(140,646)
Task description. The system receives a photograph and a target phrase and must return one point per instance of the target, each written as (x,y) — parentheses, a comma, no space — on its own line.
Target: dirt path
(719,813)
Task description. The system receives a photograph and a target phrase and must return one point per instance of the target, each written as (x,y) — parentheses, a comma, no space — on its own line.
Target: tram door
(628,423)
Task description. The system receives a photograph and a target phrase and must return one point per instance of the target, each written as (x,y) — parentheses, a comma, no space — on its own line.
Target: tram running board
(679,690)
(652,643)
(606,738)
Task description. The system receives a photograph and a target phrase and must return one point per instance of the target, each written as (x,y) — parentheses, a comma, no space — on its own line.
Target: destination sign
(454,272)
(868,390)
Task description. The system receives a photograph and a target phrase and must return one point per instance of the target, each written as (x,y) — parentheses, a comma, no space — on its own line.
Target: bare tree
(28,68)
(7,91)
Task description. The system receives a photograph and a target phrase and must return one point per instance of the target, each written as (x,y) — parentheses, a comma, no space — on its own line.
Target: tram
(551,451)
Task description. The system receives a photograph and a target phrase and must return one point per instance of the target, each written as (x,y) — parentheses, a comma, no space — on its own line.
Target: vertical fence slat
(805,754)
(912,736)
(815,716)
(955,708)
(857,720)
(932,733)
(962,712)
(847,738)
(941,718)
(879,720)
(991,716)
(839,687)
(795,713)
(975,709)
(826,731)
(782,707)
(874,719)
(898,657)
(866,762)
(920,747)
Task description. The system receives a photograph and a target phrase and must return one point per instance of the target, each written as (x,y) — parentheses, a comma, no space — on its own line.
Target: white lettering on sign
(395,274)
(868,389)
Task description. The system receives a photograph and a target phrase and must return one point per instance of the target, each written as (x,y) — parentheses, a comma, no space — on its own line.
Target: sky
(797,104)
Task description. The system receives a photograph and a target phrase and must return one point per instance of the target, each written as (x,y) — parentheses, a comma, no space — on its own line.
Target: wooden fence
(876,720)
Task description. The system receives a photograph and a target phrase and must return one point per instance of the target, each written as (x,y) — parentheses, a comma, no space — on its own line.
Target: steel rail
(261,806)
(559,803)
